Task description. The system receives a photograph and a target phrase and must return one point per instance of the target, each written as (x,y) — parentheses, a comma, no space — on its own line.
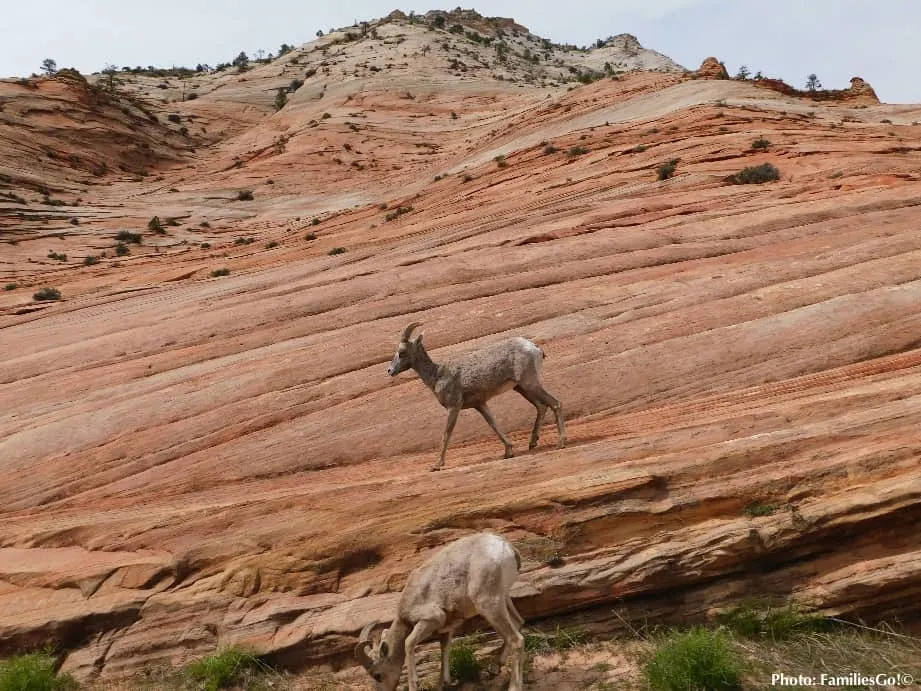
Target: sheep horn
(364,644)
(409,330)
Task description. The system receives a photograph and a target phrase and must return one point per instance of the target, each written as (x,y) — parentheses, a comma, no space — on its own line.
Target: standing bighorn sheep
(472,575)
(474,378)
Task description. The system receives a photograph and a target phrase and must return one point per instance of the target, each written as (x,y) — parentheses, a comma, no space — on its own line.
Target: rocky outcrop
(859,93)
(711,68)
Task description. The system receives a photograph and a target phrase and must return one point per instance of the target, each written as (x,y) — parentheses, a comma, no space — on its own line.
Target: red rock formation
(711,68)
(189,460)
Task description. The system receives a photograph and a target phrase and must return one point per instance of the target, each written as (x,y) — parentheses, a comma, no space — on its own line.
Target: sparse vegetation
(154,225)
(697,659)
(281,98)
(33,672)
(121,249)
(577,150)
(245,195)
(325,116)
(47,294)
(756,509)
(639,148)
(667,170)
(561,639)
(550,149)
(310,236)
(500,161)
(128,236)
(220,272)
(463,663)
(396,213)
(761,143)
(205,245)
(57,256)
(244,241)
(755,175)
(11,286)
(813,83)
(272,244)
(769,621)
(225,668)
(91,259)
(336,250)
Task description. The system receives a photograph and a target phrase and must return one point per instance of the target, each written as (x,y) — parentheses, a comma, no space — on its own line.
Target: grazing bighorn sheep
(474,378)
(472,575)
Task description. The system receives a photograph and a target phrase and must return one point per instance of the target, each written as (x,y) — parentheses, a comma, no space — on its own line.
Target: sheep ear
(384,649)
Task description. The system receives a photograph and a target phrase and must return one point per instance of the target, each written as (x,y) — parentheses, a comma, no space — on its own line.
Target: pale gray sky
(836,39)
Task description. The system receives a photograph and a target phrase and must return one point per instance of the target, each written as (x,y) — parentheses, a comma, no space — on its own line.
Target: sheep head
(406,351)
(384,665)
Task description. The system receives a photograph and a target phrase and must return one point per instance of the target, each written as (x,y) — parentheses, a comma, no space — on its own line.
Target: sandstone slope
(191,461)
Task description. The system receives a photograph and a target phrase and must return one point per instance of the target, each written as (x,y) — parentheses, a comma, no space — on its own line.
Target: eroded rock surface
(191,460)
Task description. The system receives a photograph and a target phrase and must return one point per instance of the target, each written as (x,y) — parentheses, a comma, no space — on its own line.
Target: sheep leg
(445,640)
(449,428)
(484,411)
(517,619)
(539,420)
(539,393)
(501,620)
(422,630)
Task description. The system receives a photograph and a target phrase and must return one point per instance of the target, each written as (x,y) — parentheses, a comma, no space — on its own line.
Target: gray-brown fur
(472,575)
(472,379)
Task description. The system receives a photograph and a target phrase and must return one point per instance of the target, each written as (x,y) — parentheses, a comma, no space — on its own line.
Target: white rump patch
(529,346)
(497,548)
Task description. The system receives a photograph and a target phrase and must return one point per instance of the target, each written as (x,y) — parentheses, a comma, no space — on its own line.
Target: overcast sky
(837,39)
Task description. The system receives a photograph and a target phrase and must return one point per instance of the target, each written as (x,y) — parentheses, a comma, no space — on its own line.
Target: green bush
(155,225)
(90,260)
(336,250)
(11,286)
(121,249)
(127,236)
(667,170)
(310,236)
(761,143)
(57,256)
(245,195)
(463,663)
(698,659)
(755,175)
(577,151)
(223,669)
(47,294)
(32,672)
(220,272)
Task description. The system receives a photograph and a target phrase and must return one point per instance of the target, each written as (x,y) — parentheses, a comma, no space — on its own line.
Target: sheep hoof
(532,446)
(509,453)
(435,468)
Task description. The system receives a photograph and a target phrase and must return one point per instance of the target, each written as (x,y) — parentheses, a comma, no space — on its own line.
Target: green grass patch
(756,509)
(563,638)
(224,668)
(775,622)
(463,663)
(696,659)
(33,672)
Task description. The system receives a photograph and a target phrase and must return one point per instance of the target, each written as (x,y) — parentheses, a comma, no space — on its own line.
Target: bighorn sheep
(472,575)
(474,378)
